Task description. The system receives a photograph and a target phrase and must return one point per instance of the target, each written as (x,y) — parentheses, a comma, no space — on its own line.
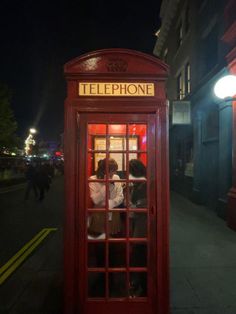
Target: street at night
(203,257)
(118,157)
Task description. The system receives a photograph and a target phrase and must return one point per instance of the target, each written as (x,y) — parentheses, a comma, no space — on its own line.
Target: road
(35,264)
(21,220)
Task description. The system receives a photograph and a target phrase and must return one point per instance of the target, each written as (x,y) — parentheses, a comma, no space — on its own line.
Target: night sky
(38,37)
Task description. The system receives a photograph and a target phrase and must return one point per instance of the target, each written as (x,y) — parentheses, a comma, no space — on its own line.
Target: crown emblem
(117,65)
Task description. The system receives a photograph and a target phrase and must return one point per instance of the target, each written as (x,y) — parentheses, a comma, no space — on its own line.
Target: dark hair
(137,168)
(101,170)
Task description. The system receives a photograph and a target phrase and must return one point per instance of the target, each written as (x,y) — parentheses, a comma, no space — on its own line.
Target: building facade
(191,41)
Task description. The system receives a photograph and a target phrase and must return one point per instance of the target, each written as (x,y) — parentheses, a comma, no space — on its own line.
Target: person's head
(137,168)
(112,168)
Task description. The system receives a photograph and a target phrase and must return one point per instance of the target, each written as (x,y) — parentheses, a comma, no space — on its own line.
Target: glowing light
(157,34)
(32,130)
(225,87)
(30,141)
(58,153)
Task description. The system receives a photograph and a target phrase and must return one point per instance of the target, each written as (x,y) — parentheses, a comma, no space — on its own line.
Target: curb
(12,188)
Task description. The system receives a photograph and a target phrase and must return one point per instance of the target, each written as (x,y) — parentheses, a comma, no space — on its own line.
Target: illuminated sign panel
(116,89)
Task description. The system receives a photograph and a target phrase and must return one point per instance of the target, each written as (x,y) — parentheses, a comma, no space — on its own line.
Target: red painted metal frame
(129,66)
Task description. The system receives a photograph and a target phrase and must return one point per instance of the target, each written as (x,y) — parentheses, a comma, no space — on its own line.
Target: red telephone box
(116,248)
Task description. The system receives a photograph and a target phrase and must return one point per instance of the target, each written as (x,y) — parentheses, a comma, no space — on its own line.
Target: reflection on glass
(138,255)
(96,285)
(138,225)
(117,285)
(96,225)
(138,285)
(96,254)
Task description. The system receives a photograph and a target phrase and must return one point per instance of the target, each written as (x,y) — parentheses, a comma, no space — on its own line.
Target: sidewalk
(203,261)
(203,268)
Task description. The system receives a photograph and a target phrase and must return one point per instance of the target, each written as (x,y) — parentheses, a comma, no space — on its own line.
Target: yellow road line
(19,253)
(7,269)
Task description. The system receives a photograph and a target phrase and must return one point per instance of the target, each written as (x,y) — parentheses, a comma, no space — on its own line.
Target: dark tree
(8,123)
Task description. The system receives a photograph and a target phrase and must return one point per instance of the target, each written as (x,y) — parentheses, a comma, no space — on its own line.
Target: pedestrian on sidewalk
(43,180)
(31,177)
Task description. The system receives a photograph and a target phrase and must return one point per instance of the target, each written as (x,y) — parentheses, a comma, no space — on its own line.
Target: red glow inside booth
(117,141)
(116,183)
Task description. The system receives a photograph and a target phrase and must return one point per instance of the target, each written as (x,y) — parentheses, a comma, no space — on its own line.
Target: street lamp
(32,130)
(225,88)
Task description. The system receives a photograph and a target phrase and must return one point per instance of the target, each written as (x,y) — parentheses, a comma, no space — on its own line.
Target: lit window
(187,78)
(180,87)
(180,35)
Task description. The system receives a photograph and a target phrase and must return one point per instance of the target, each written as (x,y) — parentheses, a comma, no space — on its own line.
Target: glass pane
(96,285)
(93,162)
(90,165)
(96,159)
(137,137)
(123,231)
(117,142)
(137,166)
(117,254)
(133,143)
(138,225)
(96,255)
(120,159)
(100,143)
(117,285)
(138,194)
(138,284)
(96,225)
(115,224)
(125,191)
(117,129)
(138,255)
(96,194)
(96,137)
